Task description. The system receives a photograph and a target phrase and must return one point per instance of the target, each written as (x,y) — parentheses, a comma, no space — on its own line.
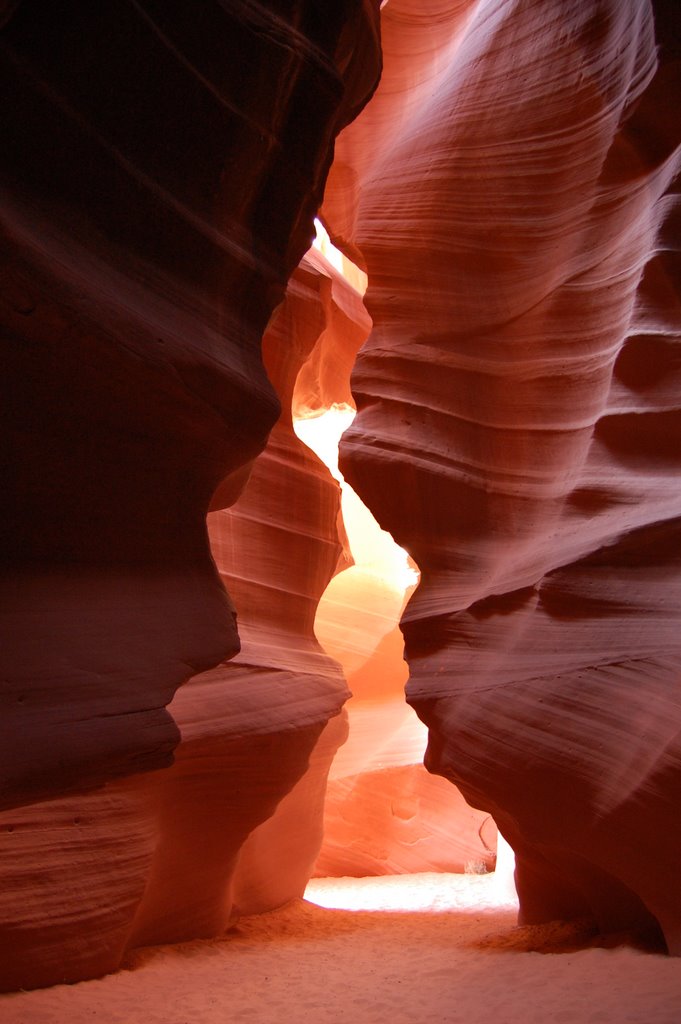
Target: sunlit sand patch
(430,891)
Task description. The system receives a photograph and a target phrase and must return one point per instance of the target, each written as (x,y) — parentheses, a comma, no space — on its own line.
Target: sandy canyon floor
(442,949)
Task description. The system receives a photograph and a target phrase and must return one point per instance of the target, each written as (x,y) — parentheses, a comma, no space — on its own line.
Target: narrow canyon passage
(383,812)
(204,702)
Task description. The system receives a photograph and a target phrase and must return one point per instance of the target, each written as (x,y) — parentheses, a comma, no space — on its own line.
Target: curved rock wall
(383,813)
(512,191)
(161,169)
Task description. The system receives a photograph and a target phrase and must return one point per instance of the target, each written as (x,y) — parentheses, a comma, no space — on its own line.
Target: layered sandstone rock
(250,725)
(161,168)
(383,812)
(511,190)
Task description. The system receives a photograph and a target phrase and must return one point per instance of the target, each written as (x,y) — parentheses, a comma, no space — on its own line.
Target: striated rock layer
(250,726)
(383,813)
(512,190)
(160,171)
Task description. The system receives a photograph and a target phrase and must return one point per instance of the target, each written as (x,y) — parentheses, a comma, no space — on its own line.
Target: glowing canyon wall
(383,812)
(512,191)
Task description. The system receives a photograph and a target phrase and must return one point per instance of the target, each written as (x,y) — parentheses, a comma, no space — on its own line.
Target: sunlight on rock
(350,271)
(371,547)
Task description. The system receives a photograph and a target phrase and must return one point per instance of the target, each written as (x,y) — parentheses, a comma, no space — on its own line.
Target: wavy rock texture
(511,190)
(161,168)
(251,725)
(384,814)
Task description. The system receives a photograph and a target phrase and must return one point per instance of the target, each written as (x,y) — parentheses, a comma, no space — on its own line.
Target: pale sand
(454,956)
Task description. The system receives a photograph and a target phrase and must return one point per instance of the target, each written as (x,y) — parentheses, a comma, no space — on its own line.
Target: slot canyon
(349,550)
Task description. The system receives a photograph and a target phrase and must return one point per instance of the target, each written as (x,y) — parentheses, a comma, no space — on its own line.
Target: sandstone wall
(161,168)
(513,192)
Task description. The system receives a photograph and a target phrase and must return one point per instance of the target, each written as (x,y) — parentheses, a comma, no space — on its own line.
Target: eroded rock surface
(512,190)
(249,726)
(384,814)
(161,168)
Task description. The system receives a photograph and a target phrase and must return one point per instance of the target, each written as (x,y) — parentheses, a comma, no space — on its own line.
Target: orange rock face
(512,192)
(383,813)
(161,170)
